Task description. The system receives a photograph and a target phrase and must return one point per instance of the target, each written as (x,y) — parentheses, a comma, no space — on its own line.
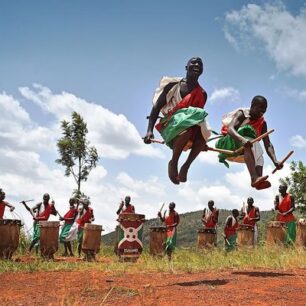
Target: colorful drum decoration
(207,238)
(245,235)
(276,232)
(48,238)
(91,240)
(9,237)
(130,236)
(301,232)
(158,236)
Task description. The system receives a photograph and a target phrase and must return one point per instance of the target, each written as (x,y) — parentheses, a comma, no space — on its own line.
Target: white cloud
(228,94)
(298,141)
(272,26)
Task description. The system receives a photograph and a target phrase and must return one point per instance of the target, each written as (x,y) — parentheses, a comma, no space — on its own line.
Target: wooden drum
(9,237)
(245,235)
(48,238)
(276,232)
(301,232)
(91,240)
(207,238)
(158,237)
(130,236)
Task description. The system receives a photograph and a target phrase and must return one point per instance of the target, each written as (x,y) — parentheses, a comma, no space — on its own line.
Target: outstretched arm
(161,101)
(269,147)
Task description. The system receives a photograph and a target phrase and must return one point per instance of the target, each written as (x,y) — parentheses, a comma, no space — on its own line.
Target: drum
(130,236)
(207,238)
(276,232)
(48,238)
(158,237)
(245,235)
(91,240)
(301,232)
(9,233)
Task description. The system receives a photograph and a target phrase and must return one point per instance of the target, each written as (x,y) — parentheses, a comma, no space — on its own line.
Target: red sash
(85,218)
(284,206)
(2,208)
(211,223)
(231,230)
(130,209)
(251,214)
(70,214)
(44,216)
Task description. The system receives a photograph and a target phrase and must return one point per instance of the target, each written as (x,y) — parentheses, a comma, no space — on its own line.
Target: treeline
(191,223)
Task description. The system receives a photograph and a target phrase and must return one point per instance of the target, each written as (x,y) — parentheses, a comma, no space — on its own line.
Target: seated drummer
(128,209)
(4,204)
(239,127)
(210,217)
(250,216)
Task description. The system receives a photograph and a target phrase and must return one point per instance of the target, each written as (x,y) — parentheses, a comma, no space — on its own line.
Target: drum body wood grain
(48,238)
(207,238)
(245,235)
(130,234)
(276,232)
(158,237)
(301,233)
(91,240)
(9,237)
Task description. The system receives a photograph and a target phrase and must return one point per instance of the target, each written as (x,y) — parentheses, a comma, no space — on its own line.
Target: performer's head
(46,197)
(282,189)
(235,213)
(259,106)
(72,202)
(127,200)
(2,195)
(86,203)
(171,206)
(211,204)
(250,201)
(194,67)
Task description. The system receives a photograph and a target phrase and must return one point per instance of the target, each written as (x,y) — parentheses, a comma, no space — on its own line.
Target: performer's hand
(12,208)
(148,137)
(278,165)
(159,214)
(61,219)
(205,148)
(246,143)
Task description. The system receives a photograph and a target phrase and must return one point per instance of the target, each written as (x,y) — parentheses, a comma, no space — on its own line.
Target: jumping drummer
(86,215)
(210,217)
(230,230)
(285,206)
(40,212)
(128,209)
(250,216)
(69,218)
(4,204)
(239,127)
(171,220)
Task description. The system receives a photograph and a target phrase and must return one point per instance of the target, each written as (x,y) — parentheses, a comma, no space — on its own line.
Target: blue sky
(105,59)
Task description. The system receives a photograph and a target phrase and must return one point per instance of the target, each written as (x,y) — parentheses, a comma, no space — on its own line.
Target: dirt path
(260,287)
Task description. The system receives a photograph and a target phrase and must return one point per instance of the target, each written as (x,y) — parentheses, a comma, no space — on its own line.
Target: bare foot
(263,185)
(172,173)
(183,174)
(259,180)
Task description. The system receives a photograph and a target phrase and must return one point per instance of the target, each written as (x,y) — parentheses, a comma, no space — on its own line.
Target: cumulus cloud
(298,141)
(273,27)
(228,94)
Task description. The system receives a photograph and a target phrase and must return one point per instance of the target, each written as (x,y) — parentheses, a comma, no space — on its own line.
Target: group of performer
(183,126)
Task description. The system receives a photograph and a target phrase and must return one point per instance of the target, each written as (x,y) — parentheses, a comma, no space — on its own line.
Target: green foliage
(297,184)
(76,155)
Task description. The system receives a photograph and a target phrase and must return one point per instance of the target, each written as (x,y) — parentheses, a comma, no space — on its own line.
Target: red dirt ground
(230,287)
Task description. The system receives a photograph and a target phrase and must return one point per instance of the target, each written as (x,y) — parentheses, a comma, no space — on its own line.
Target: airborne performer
(183,126)
(239,128)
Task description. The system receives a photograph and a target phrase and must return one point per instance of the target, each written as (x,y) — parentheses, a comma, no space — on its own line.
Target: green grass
(186,260)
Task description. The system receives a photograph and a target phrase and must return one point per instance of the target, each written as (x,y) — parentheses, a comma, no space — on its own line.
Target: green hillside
(189,225)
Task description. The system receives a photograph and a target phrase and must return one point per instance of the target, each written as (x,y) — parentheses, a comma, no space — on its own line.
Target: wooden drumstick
(220,151)
(153,140)
(283,161)
(254,140)
(162,208)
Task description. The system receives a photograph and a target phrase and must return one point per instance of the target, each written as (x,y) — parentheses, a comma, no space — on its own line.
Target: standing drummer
(210,217)
(40,212)
(284,205)
(128,209)
(4,204)
(171,220)
(250,216)
(230,230)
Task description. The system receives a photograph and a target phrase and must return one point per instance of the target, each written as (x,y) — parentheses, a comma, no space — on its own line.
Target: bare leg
(199,145)
(69,248)
(178,145)
(66,252)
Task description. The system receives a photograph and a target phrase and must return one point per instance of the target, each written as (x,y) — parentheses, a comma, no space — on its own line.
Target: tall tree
(76,155)
(297,184)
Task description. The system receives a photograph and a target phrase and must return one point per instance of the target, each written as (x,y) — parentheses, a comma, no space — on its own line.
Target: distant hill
(190,223)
